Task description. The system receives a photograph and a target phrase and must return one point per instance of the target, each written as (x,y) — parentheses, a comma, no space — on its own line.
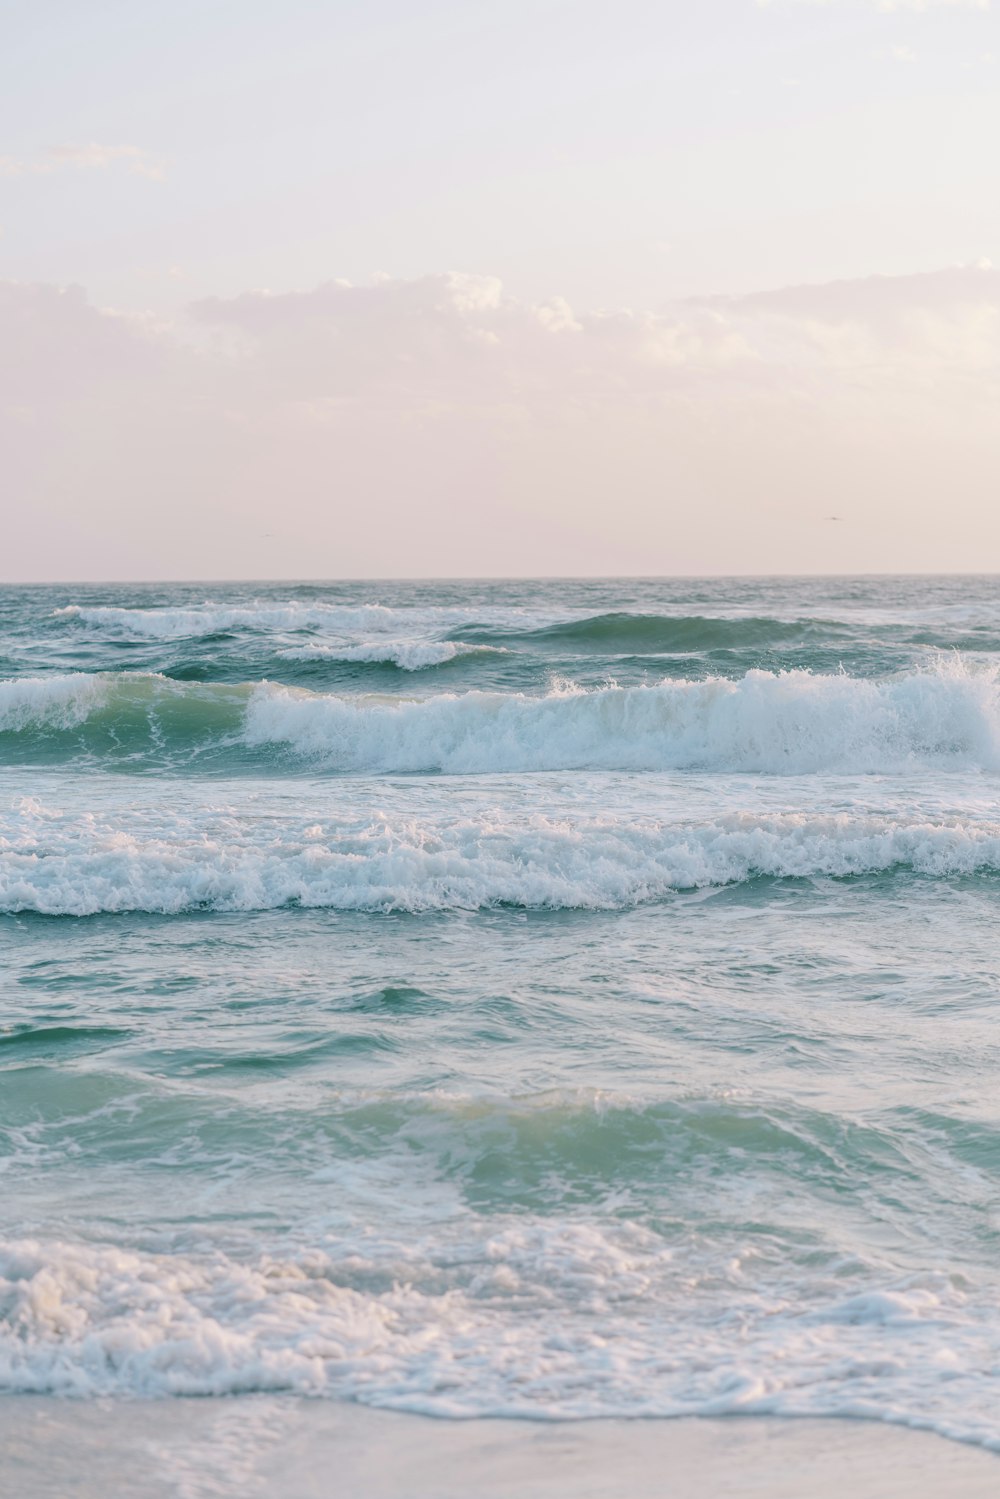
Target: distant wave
(347,620)
(614,634)
(172,861)
(417,636)
(779,723)
(572,632)
(408,655)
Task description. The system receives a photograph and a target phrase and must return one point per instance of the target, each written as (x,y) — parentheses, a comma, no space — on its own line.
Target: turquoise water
(551,999)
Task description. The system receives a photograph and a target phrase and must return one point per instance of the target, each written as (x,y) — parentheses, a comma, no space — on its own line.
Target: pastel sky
(434,288)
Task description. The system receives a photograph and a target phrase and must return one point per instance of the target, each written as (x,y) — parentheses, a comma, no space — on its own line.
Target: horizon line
(326,582)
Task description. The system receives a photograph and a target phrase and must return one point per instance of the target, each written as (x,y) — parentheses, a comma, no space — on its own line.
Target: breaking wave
(778,723)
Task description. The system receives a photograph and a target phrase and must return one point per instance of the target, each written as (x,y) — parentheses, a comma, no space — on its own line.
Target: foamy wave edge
(209,618)
(408,655)
(91,1320)
(167,863)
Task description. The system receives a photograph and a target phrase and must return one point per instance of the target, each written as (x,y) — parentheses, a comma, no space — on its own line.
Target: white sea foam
(165,860)
(408,655)
(546,1318)
(211,619)
(786,723)
(347,620)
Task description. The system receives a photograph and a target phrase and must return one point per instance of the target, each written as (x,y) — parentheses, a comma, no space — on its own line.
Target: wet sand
(297,1449)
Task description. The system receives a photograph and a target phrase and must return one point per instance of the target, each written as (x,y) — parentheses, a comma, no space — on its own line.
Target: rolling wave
(655,634)
(791,722)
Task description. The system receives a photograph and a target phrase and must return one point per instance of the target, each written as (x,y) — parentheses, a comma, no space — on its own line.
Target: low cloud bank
(442,425)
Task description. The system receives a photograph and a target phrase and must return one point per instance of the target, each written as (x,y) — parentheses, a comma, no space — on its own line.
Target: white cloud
(87,156)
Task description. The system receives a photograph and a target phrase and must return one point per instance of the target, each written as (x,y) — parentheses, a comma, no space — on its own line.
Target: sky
(300,289)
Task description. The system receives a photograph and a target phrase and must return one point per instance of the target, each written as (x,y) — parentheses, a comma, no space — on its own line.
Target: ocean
(540,999)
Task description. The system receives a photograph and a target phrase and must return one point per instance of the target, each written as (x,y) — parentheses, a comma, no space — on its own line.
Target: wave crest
(785,723)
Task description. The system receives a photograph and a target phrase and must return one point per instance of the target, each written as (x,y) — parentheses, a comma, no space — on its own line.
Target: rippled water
(543,998)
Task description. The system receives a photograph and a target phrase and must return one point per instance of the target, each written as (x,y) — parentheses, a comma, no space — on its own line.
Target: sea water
(549,999)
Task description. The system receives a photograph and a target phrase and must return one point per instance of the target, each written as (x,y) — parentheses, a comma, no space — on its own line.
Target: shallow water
(554,999)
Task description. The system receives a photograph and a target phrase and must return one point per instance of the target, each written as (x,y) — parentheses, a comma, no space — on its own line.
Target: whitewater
(552,999)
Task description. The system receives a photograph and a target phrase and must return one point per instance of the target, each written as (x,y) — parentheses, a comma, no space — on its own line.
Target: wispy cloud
(88,156)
